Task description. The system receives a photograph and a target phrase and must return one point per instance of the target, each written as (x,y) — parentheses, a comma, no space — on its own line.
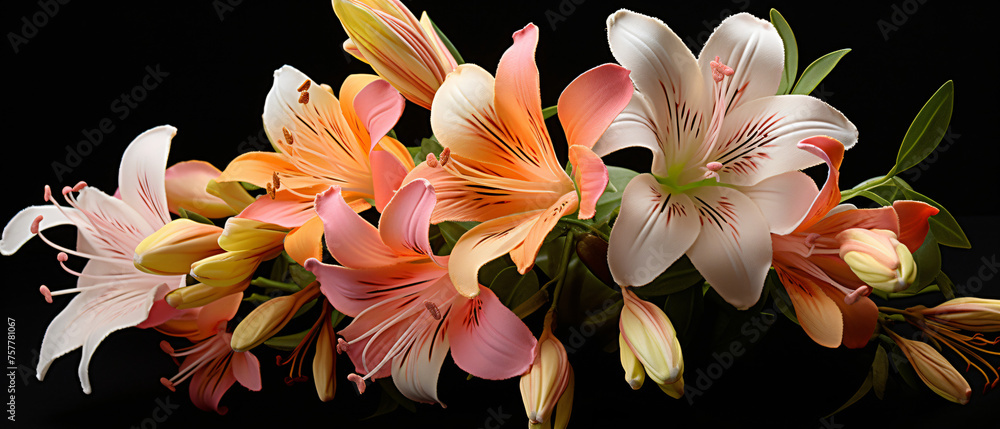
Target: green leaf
(447,43)
(862,391)
(926,130)
(683,309)
(271,284)
(287,342)
(531,304)
(194,216)
(880,372)
(815,72)
(512,289)
(791,52)
(944,226)
(947,287)
(306,307)
(300,275)
(928,260)
(611,199)
(452,231)
(279,269)
(680,276)
(549,112)
(256,298)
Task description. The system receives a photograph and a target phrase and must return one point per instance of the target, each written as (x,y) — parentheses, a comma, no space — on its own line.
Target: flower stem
(563,267)
(585,225)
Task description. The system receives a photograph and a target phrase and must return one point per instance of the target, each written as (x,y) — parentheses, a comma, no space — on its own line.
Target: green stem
(864,186)
(588,226)
(268,283)
(563,267)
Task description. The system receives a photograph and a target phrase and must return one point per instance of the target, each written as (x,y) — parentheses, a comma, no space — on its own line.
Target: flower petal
(246,369)
(18,230)
(351,240)
(285,209)
(305,241)
(817,312)
(185,186)
(860,318)
(525,254)
(352,291)
(258,168)
(387,175)
(913,224)
(753,49)
(486,242)
(653,230)
(378,106)
(633,128)
(733,249)
(783,199)
(758,140)
(591,178)
(488,340)
(140,177)
(405,223)
(415,371)
(592,101)
(831,152)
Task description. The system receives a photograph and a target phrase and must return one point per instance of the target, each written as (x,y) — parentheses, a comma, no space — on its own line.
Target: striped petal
(592,101)
(488,340)
(140,178)
(486,242)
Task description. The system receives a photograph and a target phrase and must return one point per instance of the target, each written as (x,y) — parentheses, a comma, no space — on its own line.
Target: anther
(46,293)
(79,186)
(270,190)
(304,86)
(288,135)
(62,257)
(341,345)
(34,224)
(432,161)
(445,156)
(358,381)
(719,70)
(48,193)
(275,180)
(166,347)
(303,97)
(431,308)
(166,383)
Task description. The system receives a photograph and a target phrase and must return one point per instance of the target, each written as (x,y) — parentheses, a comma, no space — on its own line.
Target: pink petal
(185,186)
(378,106)
(351,240)
(286,209)
(140,177)
(159,313)
(733,249)
(488,340)
(591,178)
(220,310)
(387,175)
(405,223)
(246,369)
(352,291)
(653,230)
(589,104)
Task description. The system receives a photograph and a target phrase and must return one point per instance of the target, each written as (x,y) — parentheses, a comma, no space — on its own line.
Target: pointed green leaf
(947,287)
(447,43)
(512,289)
(427,146)
(928,260)
(549,112)
(791,52)
(866,386)
(926,130)
(945,227)
(817,71)
(271,284)
(611,199)
(880,372)
(194,216)
(300,275)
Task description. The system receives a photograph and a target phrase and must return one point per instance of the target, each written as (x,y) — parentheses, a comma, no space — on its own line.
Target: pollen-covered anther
(719,70)
(79,186)
(304,97)
(433,310)
(712,170)
(276,180)
(48,193)
(62,257)
(432,161)
(270,190)
(166,347)
(288,135)
(358,381)
(305,86)
(168,384)
(445,156)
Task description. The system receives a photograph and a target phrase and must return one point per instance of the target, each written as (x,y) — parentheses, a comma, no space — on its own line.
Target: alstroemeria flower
(724,170)
(405,52)
(321,142)
(211,364)
(501,168)
(111,293)
(407,314)
(830,300)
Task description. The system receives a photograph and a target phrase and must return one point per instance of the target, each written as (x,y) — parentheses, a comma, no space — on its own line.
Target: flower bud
(935,371)
(970,314)
(226,269)
(649,335)
(405,52)
(270,317)
(185,184)
(174,247)
(324,362)
(878,258)
(252,235)
(546,380)
(200,294)
(634,374)
(232,193)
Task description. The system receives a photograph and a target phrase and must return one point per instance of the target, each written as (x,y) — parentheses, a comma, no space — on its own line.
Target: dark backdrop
(64,73)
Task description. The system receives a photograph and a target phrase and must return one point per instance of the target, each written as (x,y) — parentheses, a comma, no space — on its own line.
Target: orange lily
(830,300)
(499,166)
(321,142)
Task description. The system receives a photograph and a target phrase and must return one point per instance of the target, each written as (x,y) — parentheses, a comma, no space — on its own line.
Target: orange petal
(305,242)
(818,314)
(483,243)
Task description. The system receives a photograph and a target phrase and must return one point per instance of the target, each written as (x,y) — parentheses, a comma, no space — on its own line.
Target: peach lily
(321,142)
(407,314)
(499,166)
(724,170)
(405,52)
(830,300)
(111,293)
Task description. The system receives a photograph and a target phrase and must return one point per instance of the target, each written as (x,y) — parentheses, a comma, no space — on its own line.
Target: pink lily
(407,314)
(830,300)
(499,166)
(724,170)
(211,364)
(111,293)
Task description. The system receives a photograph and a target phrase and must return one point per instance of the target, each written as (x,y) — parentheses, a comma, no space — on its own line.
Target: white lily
(724,171)
(111,293)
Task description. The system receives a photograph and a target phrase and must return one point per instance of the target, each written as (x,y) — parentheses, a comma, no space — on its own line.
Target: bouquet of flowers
(506,224)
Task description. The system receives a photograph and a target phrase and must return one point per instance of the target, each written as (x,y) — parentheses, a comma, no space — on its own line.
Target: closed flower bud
(405,52)
(649,335)
(634,374)
(251,235)
(173,248)
(232,193)
(546,380)
(878,258)
(935,371)
(186,189)
(324,362)
(270,317)
(226,269)
(971,314)
(200,294)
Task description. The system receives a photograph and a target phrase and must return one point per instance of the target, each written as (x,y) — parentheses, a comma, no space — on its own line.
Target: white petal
(114,228)
(633,128)
(415,371)
(733,250)
(141,176)
(783,199)
(18,230)
(653,230)
(753,49)
(759,139)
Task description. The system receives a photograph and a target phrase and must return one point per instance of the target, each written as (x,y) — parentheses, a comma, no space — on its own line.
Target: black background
(220,60)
